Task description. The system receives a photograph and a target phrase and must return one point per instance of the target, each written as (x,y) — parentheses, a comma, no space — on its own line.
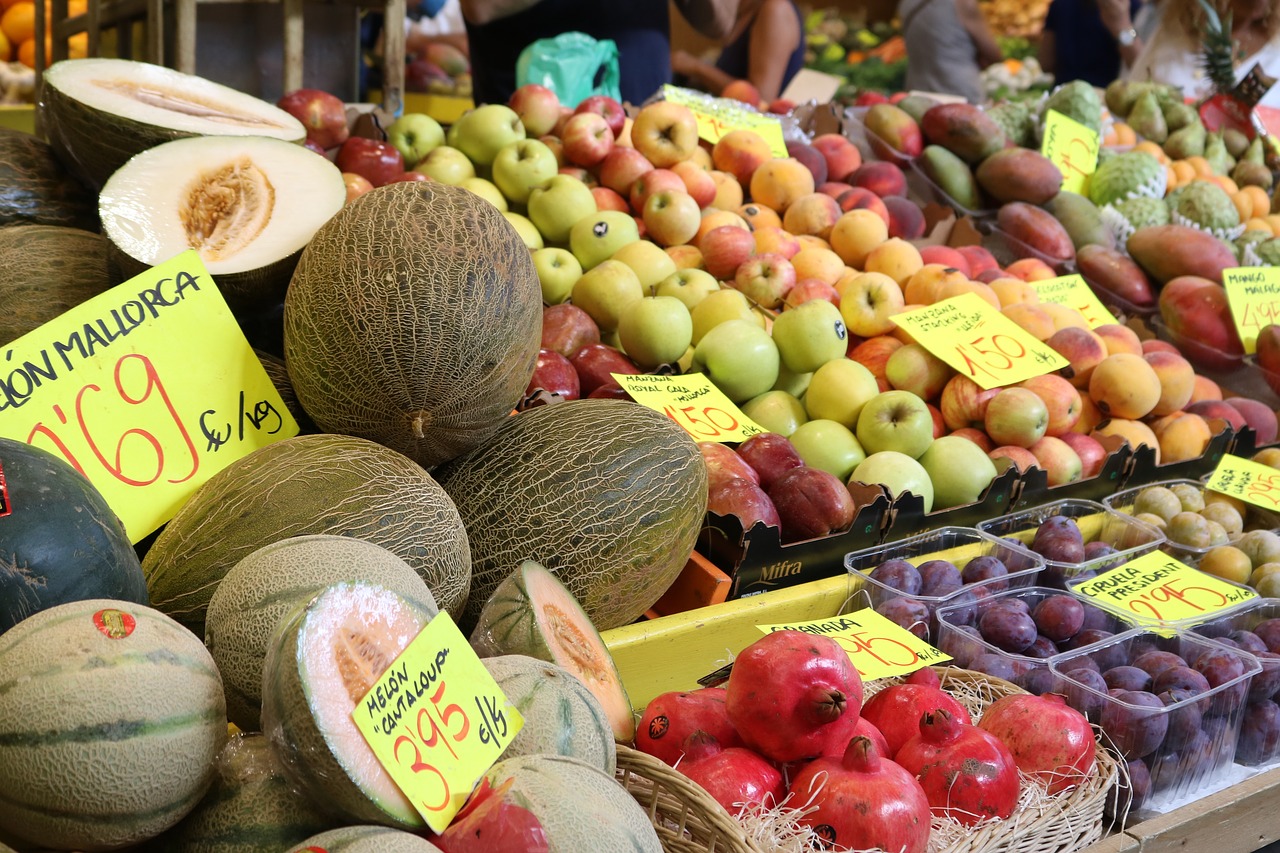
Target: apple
(1016,416)
(612,112)
(898,473)
(357,185)
(537,106)
(447,165)
(487,190)
(650,264)
(828,446)
(690,286)
(527,230)
(554,373)
(607,199)
(913,368)
(671,217)
(556,207)
(587,139)
(811,503)
(810,335)
(766,280)
(484,131)
(409,177)
(739,357)
(838,390)
(415,135)
(959,470)
(867,301)
(697,182)
(723,464)
(324,115)
(654,181)
(557,148)
(596,237)
(1058,459)
(558,271)
(621,167)
(1061,399)
(745,501)
(567,328)
(596,364)
(522,166)
(718,307)
(379,162)
(725,248)
(776,410)
(606,291)
(895,420)
(656,330)
(770,455)
(1091,452)
(665,133)
(685,256)
(964,403)
(1007,455)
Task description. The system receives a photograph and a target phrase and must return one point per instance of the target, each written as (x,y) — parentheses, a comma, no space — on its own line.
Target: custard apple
(1207,205)
(1126,173)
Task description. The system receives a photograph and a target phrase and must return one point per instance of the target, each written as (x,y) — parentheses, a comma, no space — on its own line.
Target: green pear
(1147,120)
(1186,142)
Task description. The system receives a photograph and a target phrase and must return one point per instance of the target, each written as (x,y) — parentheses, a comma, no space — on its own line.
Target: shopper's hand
(683,62)
(1115,15)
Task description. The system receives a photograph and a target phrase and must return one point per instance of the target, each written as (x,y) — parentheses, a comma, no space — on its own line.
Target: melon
(45,271)
(580,807)
(261,589)
(325,657)
(250,809)
(279,376)
(606,494)
(531,613)
(561,717)
(59,541)
(414,319)
(111,716)
(332,484)
(36,189)
(365,839)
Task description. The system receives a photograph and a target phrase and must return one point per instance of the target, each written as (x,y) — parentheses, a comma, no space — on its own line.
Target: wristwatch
(1127,37)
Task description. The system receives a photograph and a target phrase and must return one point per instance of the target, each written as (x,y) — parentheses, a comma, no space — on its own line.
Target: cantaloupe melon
(607,494)
(414,319)
(308,484)
(46,270)
(531,613)
(35,188)
(561,717)
(365,839)
(261,589)
(111,715)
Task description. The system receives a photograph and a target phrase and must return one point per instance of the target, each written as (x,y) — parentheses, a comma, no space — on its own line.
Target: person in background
(498,30)
(765,48)
(948,43)
(1089,40)
(438,21)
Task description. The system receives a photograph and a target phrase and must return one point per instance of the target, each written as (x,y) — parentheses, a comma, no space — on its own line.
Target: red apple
(1020,457)
(587,139)
(596,362)
(566,329)
(964,402)
(611,390)
(410,177)
(724,465)
(614,115)
(870,98)
(977,436)
(379,162)
(745,501)
(312,145)
(811,503)
(620,168)
(771,455)
(420,73)
(607,199)
(724,249)
(654,181)
(538,108)
(698,182)
(554,373)
(1091,452)
(357,185)
(322,114)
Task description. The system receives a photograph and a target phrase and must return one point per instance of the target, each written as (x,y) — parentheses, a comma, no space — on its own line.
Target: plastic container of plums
(908,580)
(1170,706)
(1014,633)
(1109,538)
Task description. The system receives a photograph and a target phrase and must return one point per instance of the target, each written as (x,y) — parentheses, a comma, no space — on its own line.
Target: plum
(1059,617)
(898,574)
(1269,632)
(1223,669)
(1259,739)
(1098,549)
(1248,641)
(1037,680)
(1058,539)
(1184,719)
(1127,678)
(995,665)
(1180,678)
(962,644)
(1136,722)
(1085,701)
(985,568)
(1265,684)
(1157,662)
(907,613)
(939,578)
(1133,795)
(1007,629)
(1043,648)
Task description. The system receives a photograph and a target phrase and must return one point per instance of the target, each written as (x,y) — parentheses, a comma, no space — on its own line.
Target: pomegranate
(671,717)
(1048,739)
(863,801)
(494,821)
(967,774)
(791,694)
(735,777)
(896,710)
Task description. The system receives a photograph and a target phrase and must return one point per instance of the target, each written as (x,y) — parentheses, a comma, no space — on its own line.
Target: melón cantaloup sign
(148,389)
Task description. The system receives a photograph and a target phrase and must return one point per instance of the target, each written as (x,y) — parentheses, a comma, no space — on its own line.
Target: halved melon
(532,613)
(247,204)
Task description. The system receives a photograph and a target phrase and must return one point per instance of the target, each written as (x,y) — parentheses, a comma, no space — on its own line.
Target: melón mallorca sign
(148,389)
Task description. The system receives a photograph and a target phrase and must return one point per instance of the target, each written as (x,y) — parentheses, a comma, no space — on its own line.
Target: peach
(1119,338)
(922,287)
(977,436)
(1218,410)
(713,218)
(724,249)
(808,289)
(856,233)
(979,258)
(858,198)
(742,90)
(1031,318)
(1124,386)
(873,354)
(1182,436)
(740,153)
(811,158)
(1205,388)
(881,177)
(1157,345)
(1060,398)
(817,262)
(835,189)
(1014,291)
(1090,417)
(1065,316)
(685,257)
(758,216)
(607,199)
(1030,269)
(1135,433)
(1177,380)
(896,258)
(728,191)
(697,182)
(814,213)
(955,286)
(1259,416)
(1011,455)
(906,220)
(773,239)
(1082,348)
(812,241)
(988,276)
(842,156)
(946,256)
(779,182)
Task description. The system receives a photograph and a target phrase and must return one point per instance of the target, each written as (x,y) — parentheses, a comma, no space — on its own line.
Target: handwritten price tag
(437,721)
(1251,482)
(979,341)
(693,402)
(718,116)
(1072,147)
(148,390)
(1071,290)
(1254,296)
(1157,588)
(878,648)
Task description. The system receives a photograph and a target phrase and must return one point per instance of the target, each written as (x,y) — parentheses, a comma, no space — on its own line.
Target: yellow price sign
(1251,482)
(437,721)
(1254,296)
(1156,588)
(717,117)
(694,403)
(1071,290)
(148,390)
(878,647)
(1072,147)
(979,341)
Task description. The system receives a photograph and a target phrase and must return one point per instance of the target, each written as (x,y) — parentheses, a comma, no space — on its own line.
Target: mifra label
(114,624)
(5,507)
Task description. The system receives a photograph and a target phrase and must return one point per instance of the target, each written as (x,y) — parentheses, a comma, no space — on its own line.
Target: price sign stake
(437,721)
(1156,588)
(1072,147)
(694,403)
(1251,482)
(1071,290)
(979,341)
(717,117)
(878,648)
(1254,296)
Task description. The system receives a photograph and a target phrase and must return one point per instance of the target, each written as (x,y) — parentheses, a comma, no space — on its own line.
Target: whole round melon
(561,717)
(606,494)
(111,716)
(414,319)
(579,806)
(260,590)
(36,189)
(323,483)
(45,271)
(365,839)
(59,541)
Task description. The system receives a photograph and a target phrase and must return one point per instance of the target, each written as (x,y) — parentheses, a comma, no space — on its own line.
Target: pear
(1215,151)
(1147,120)
(1121,95)
(1186,142)
(1179,115)
(1237,143)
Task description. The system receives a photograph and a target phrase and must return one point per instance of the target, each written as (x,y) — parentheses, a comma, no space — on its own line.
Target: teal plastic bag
(569,65)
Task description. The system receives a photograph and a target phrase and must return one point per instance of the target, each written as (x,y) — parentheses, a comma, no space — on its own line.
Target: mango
(964,130)
(892,133)
(1019,174)
(1110,270)
(951,175)
(1037,229)
(1082,219)
(1170,251)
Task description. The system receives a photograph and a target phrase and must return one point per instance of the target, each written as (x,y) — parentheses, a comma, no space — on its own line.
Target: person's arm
(700,74)
(1118,21)
(775,35)
(1047,53)
(485,11)
(976,26)
(713,18)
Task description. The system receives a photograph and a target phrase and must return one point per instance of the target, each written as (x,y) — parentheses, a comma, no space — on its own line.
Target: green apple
(776,411)
(649,262)
(415,135)
(795,384)
(558,271)
(596,237)
(605,291)
(739,357)
(898,473)
(528,233)
(895,420)
(719,307)
(838,390)
(810,335)
(656,330)
(487,191)
(446,165)
(483,132)
(690,286)
(959,469)
(829,446)
(557,206)
(523,166)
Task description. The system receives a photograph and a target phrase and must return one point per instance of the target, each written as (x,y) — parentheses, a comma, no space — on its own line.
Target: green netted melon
(580,807)
(414,319)
(365,839)
(46,270)
(36,189)
(111,716)
(561,717)
(606,494)
(531,613)
(260,590)
(100,112)
(323,660)
(279,376)
(332,484)
(251,807)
